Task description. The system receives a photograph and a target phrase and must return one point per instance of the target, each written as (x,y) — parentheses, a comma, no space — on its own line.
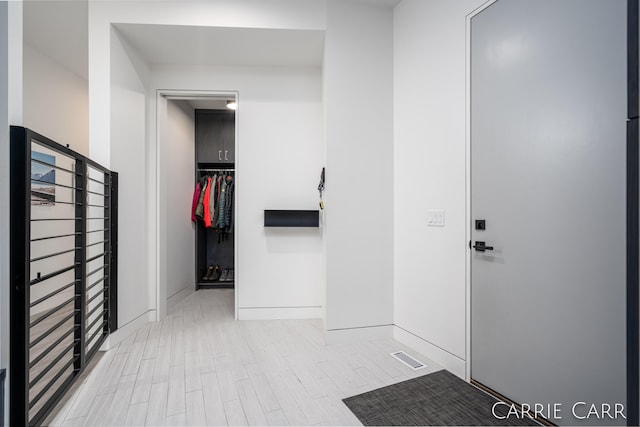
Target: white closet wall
(177,153)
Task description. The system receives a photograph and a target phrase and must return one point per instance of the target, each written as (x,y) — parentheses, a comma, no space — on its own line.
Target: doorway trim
(155,173)
(633,211)
(467,150)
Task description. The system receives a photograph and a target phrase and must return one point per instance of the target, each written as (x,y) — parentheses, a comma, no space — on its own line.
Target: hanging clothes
(196,200)
(229,203)
(215,195)
(221,205)
(218,193)
(200,208)
(212,200)
(207,204)
(219,188)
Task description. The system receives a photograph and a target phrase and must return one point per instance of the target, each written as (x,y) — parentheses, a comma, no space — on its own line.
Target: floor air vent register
(408,360)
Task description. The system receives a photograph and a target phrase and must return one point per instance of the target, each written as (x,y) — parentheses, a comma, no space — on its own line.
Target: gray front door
(548,113)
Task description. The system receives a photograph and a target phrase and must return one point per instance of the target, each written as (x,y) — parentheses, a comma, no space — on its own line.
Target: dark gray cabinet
(215,136)
(215,154)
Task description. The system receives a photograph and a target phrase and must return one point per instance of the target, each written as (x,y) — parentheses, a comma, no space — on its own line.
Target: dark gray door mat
(437,399)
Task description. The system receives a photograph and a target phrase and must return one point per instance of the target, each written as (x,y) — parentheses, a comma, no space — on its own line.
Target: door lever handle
(482,246)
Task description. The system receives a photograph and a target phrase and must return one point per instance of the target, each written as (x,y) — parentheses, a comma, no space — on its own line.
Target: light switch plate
(435,218)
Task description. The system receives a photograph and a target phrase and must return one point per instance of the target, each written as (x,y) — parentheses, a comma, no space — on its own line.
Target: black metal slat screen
(60,265)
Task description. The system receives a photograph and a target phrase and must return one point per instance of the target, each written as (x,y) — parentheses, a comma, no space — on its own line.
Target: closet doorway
(196,162)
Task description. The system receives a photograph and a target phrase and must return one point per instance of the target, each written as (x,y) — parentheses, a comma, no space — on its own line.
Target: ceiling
(177,44)
(387,3)
(60,30)
(208,102)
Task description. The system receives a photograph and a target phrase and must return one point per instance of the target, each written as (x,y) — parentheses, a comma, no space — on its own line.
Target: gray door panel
(548,113)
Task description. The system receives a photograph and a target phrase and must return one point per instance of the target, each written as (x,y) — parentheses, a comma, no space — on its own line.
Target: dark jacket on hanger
(200,208)
(229,203)
(214,196)
(221,204)
(196,200)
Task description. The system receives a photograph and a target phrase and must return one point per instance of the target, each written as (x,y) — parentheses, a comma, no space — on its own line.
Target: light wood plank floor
(201,367)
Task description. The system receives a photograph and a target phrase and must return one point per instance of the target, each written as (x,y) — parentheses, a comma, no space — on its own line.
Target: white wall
(56,101)
(177,156)
(278,162)
(358,84)
(429,151)
(10,114)
(128,158)
(56,105)
(281,14)
(358,95)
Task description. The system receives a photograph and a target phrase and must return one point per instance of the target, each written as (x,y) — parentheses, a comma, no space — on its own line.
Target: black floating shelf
(284,218)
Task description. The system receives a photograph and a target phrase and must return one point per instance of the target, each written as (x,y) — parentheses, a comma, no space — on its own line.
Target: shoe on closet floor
(230,277)
(223,277)
(208,274)
(216,273)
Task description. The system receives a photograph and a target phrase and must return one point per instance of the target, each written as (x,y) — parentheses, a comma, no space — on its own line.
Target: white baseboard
(339,336)
(124,331)
(277,313)
(445,359)
(180,296)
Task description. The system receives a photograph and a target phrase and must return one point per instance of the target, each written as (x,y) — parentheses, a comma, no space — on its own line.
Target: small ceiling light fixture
(232,105)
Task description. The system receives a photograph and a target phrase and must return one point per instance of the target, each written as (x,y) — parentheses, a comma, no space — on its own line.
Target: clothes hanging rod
(215,170)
